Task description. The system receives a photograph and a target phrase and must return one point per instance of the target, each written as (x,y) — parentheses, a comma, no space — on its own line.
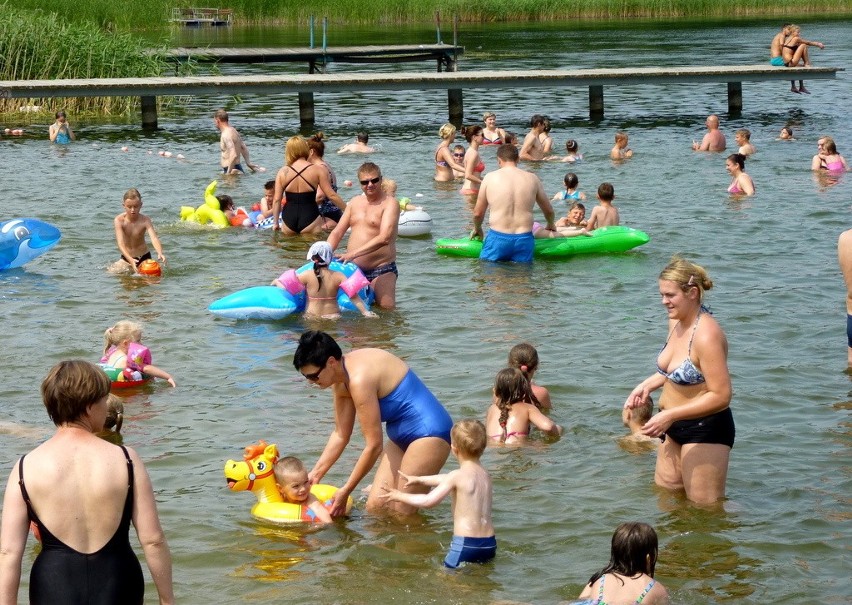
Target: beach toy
(150,267)
(606,240)
(208,212)
(121,378)
(241,218)
(414,222)
(23,239)
(271,302)
(255,474)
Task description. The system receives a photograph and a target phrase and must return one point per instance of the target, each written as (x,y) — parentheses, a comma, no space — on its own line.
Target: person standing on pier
(714,140)
(232,146)
(374,219)
(510,192)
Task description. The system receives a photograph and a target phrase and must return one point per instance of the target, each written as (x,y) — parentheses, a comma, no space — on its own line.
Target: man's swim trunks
(470,550)
(328,210)
(375,272)
(139,259)
(777,61)
(412,412)
(236,167)
(514,247)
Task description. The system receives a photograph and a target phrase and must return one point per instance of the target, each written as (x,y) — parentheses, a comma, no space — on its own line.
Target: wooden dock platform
(202,17)
(453,82)
(445,54)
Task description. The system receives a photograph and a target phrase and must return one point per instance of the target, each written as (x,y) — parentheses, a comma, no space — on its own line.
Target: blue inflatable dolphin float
(23,239)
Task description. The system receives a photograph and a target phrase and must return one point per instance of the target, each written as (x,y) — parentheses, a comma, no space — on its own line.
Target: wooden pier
(202,17)
(453,82)
(446,55)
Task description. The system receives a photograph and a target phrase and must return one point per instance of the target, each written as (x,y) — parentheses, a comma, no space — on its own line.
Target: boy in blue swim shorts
(470,486)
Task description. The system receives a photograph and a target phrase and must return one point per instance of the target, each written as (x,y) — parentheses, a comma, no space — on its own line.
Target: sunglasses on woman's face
(314,376)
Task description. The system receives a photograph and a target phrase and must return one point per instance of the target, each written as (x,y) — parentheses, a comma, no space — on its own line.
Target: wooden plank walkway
(453,82)
(445,54)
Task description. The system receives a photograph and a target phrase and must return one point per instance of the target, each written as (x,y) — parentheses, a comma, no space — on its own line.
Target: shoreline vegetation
(97,39)
(155,13)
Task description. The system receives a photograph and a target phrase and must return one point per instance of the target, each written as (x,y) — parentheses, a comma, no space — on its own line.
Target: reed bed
(146,13)
(36,45)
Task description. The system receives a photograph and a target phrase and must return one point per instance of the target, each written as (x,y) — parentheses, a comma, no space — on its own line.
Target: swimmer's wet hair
(571,181)
(269,185)
(745,132)
(287,466)
(468,132)
(315,348)
(316,143)
(606,192)
(687,275)
(115,413)
(633,551)
(132,194)
(508,153)
(620,136)
(468,437)
(226,202)
(571,145)
(221,115)
(71,387)
(738,159)
(362,137)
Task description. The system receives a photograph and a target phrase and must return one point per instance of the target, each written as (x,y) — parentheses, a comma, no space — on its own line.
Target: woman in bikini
(794,50)
(741,183)
(514,409)
(491,134)
(473,164)
(828,159)
(445,163)
(695,422)
(299,181)
(374,386)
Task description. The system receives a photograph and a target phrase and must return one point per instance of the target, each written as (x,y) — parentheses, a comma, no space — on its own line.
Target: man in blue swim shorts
(510,193)
(844,256)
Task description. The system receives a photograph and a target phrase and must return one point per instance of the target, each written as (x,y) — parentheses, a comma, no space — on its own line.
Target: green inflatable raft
(605,240)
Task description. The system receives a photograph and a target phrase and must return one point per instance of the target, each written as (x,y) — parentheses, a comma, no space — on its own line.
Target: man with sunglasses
(374,218)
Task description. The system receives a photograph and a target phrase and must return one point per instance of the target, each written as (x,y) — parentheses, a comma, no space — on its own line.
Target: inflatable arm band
(353,284)
(291,282)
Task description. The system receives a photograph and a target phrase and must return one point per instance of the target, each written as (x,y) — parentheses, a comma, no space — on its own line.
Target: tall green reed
(37,45)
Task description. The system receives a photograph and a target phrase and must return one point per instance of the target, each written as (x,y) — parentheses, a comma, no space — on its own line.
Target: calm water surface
(783,536)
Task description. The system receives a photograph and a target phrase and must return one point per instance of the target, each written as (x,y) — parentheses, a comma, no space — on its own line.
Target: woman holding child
(694,423)
(375,386)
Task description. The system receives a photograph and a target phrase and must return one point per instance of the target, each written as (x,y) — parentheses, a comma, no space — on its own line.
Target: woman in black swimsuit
(83,525)
(299,181)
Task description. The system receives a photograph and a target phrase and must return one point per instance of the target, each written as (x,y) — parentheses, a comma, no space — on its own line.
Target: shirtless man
(533,148)
(714,140)
(359,146)
(374,219)
(844,256)
(130,229)
(510,192)
(232,146)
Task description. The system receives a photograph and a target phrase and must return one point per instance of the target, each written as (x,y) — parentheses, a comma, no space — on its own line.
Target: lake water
(783,535)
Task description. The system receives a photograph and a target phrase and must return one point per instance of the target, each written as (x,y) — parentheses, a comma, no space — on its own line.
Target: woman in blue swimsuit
(82,493)
(695,422)
(375,386)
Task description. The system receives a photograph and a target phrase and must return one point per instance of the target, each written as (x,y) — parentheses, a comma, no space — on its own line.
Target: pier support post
(735,98)
(149,112)
(306,109)
(455,102)
(596,102)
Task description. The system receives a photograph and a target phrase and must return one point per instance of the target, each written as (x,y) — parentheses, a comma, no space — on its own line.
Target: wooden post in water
(438,26)
(311,38)
(596,102)
(455,102)
(149,112)
(735,98)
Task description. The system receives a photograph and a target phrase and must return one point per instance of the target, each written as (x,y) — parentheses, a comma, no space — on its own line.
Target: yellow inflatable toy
(255,474)
(208,212)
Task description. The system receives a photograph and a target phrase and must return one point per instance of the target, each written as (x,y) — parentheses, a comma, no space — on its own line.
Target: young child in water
(470,486)
(629,577)
(130,229)
(620,150)
(514,409)
(571,192)
(573,149)
(786,134)
(291,479)
(605,214)
(123,350)
(389,187)
(524,357)
(322,284)
(114,419)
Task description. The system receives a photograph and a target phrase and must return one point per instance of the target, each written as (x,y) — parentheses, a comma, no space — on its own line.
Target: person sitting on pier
(714,140)
(359,146)
(794,51)
(232,146)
